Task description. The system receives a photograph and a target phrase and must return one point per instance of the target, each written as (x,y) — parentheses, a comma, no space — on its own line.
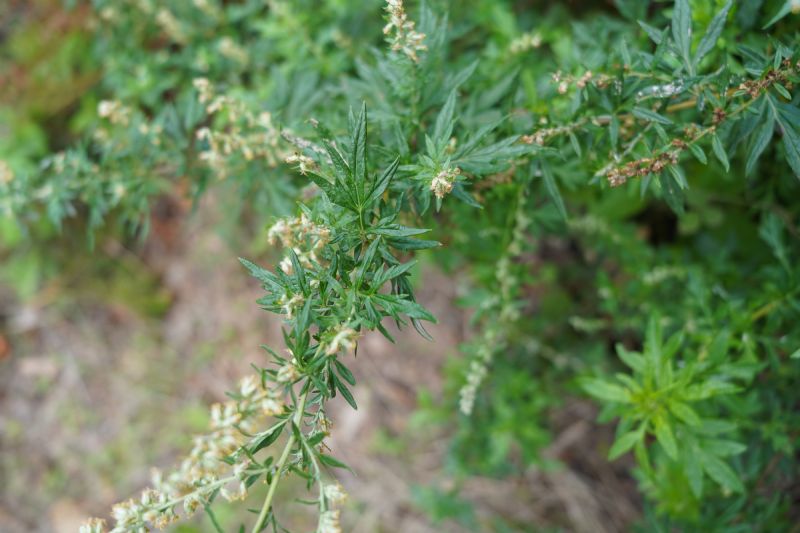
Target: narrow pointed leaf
(713,32)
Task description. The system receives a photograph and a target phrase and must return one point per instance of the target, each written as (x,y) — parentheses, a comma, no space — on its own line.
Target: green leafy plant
(657,400)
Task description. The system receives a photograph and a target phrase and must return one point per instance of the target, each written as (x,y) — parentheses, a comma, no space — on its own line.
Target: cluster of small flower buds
(564,81)
(756,88)
(170,25)
(543,135)
(329,522)
(442,183)
(478,369)
(233,51)
(329,519)
(642,167)
(241,132)
(118,114)
(343,338)
(493,338)
(405,38)
(653,165)
(204,471)
(115,112)
(661,273)
(288,372)
(291,304)
(93,525)
(207,7)
(335,493)
(303,236)
(6,174)
(304,163)
(594,226)
(205,92)
(525,42)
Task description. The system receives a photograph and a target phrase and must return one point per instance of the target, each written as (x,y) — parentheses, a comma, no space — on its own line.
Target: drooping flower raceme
(402,35)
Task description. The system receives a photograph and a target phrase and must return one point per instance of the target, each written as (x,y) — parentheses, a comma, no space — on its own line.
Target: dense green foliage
(619,185)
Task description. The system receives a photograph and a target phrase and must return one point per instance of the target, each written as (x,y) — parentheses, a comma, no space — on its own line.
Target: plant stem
(298,417)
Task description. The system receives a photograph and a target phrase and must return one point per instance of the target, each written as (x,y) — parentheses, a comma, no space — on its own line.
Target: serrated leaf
(665,437)
(345,373)
(782,12)
(650,116)
(713,32)
(698,153)
(719,151)
(655,35)
(625,443)
(444,120)
(771,232)
(359,158)
(260,274)
(366,260)
(342,388)
(266,438)
(692,468)
(396,230)
(553,192)
(723,448)
(407,243)
(604,390)
(575,144)
(339,164)
(331,461)
(643,457)
(685,413)
(613,131)
(634,360)
(720,472)
(671,191)
(682,29)
(783,91)
(382,183)
(760,141)
(461,193)
(788,119)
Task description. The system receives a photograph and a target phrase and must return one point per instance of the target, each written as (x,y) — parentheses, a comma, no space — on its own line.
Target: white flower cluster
(525,42)
(291,304)
(208,8)
(493,339)
(233,51)
(477,371)
(304,163)
(118,114)
(204,470)
(239,132)
(344,338)
(329,519)
(565,81)
(303,236)
(541,136)
(6,174)
(115,112)
(288,372)
(442,183)
(170,25)
(329,522)
(405,39)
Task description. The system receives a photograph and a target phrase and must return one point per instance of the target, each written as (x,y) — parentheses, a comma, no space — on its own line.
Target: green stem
(298,417)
